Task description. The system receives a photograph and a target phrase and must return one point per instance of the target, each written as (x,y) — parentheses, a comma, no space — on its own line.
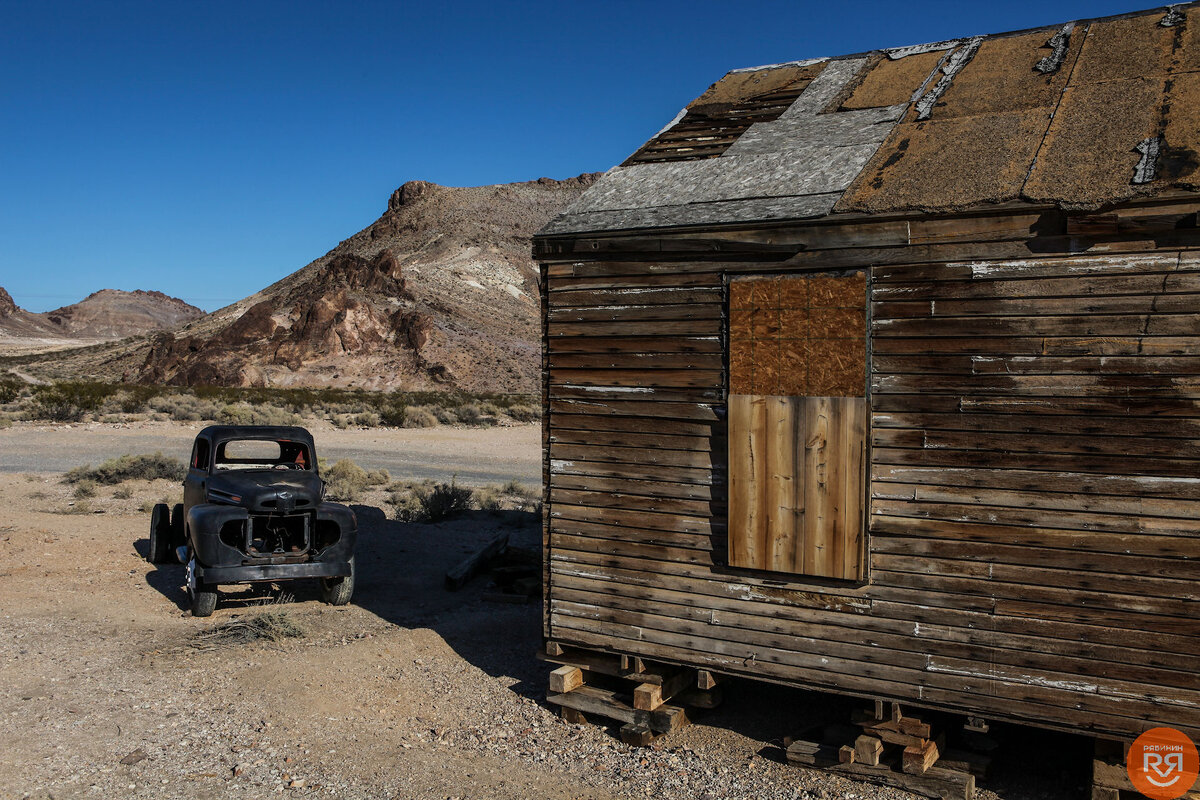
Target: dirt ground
(411,691)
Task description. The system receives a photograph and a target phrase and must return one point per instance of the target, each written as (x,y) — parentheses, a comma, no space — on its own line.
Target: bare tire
(203,595)
(160,534)
(204,600)
(178,539)
(338,591)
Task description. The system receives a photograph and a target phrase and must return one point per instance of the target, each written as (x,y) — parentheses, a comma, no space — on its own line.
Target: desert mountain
(106,314)
(439,292)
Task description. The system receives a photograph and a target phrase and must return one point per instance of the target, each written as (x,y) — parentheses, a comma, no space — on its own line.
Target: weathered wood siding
(1035,467)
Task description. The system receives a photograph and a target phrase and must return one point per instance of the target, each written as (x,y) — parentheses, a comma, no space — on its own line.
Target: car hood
(267,490)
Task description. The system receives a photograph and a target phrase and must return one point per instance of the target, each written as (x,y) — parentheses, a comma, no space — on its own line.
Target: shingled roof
(1079,116)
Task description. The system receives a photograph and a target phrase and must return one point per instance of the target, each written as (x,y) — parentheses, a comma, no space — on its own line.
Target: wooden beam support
(917,759)
(868,750)
(649,696)
(565,679)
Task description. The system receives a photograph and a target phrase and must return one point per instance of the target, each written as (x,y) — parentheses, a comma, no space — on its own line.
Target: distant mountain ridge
(439,292)
(106,314)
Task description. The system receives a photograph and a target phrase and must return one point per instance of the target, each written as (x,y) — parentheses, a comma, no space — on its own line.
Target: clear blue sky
(208,149)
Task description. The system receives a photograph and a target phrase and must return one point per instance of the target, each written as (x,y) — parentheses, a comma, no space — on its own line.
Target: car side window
(200,454)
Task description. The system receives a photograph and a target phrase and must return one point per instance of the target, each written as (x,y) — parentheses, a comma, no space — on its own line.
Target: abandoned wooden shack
(880,375)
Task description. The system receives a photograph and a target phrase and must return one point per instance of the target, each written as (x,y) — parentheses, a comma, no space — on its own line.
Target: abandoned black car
(252,511)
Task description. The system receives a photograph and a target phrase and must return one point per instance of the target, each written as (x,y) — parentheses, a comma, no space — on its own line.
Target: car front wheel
(203,595)
(337,591)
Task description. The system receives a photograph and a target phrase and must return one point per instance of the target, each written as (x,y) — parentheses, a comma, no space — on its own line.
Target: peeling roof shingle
(1052,115)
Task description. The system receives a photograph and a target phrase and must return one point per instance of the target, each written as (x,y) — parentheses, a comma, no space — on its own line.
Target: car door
(194,484)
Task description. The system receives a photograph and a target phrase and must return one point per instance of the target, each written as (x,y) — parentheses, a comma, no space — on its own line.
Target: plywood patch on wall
(798,336)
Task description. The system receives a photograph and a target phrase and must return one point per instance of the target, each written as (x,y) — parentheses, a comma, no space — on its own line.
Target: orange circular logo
(1163,764)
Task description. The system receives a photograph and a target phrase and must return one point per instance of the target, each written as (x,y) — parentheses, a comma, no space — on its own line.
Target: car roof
(293,433)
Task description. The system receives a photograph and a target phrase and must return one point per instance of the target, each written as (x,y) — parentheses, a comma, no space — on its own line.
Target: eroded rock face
(7,306)
(409,193)
(438,292)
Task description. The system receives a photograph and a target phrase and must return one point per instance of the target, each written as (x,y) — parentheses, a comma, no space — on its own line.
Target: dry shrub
(419,417)
(129,468)
(10,390)
(66,402)
(247,414)
(511,496)
(345,480)
(270,626)
(430,502)
(525,413)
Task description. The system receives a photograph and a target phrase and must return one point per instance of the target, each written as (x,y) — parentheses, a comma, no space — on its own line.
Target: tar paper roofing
(1079,115)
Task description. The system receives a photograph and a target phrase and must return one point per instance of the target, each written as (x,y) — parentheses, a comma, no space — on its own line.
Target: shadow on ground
(400,574)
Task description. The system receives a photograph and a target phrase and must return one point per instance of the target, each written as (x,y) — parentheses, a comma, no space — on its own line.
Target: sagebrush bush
(345,480)
(524,413)
(66,402)
(85,488)
(185,407)
(73,401)
(418,417)
(430,502)
(129,468)
(511,496)
(10,390)
(247,414)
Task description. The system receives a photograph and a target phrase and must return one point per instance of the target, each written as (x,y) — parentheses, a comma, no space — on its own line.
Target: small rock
(134,757)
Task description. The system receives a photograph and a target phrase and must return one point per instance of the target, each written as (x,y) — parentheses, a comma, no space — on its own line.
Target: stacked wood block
(649,700)
(891,750)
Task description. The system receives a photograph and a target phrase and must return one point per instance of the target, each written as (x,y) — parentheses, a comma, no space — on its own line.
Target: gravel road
(477,456)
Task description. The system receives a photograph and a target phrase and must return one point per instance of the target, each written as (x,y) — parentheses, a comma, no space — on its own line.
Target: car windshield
(262,454)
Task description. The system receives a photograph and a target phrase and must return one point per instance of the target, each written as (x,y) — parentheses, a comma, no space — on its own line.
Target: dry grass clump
(129,468)
(270,626)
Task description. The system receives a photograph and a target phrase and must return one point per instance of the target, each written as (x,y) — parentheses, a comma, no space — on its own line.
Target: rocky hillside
(439,292)
(106,314)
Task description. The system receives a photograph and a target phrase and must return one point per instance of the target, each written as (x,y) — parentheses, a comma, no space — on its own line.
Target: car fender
(204,523)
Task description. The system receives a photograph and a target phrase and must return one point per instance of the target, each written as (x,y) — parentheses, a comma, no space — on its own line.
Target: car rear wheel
(160,534)
(337,591)
(178,539)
